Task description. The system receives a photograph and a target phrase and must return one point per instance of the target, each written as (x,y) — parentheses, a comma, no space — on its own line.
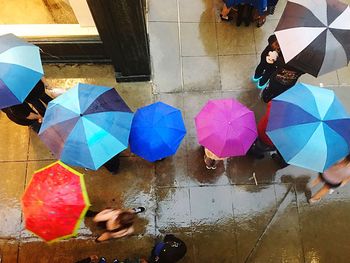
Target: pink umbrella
(226,127)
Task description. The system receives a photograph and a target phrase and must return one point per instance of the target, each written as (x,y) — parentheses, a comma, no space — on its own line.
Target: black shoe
(139,210)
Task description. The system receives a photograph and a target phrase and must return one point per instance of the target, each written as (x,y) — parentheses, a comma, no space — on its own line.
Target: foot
(313,200)
(256,79)
(261,87)
(102,260)
(208,167)
(140,209)
(331,191)
(225,18)
(213,167)
(116,261)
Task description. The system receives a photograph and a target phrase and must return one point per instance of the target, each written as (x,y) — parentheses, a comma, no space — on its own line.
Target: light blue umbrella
(157,131)
(310,127)
(20,69)
(87,125)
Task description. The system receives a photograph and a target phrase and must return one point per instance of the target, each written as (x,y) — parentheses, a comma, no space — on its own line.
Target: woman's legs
(316,181)
(210,163)
(321,193)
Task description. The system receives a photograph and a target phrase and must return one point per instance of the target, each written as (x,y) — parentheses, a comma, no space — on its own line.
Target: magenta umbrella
(226,127)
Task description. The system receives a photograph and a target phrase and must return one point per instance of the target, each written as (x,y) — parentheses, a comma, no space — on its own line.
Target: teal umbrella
(310,127)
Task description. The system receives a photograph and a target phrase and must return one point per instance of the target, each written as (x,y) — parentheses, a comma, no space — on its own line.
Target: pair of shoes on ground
(103,260)
(256,80)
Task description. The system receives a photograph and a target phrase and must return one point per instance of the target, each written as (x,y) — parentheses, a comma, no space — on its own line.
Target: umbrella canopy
(20,69)
(157,131)
(226,127)
(87,125)
(314,36)
(54,202)
(309,127)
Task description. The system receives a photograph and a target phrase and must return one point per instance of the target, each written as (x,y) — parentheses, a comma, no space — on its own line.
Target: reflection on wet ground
(222,215)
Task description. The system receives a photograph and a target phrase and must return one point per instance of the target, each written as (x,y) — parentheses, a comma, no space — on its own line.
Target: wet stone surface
(223,215)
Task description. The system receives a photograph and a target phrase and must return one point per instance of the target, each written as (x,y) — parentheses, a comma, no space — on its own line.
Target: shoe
(102,260)
(213,167)
(116,261)
(331,191)
(208,167)
(312,201)
(261,87)
(256,79)
(225,18)
(140,209)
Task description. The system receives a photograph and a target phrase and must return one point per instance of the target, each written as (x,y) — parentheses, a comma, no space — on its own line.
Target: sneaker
(261,87)
(213,167)
(102,260)
(256,79)
(208,167)
(140,209)
(331,191)
(116,261)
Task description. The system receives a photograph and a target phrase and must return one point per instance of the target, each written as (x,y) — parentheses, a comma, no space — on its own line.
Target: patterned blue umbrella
(310,127)
(20,69)
(157,131)
(87,125)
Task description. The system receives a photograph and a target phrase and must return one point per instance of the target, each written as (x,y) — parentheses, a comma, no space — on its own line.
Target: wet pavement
(221,214)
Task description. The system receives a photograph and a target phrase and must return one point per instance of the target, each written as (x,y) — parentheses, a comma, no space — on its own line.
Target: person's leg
(224,13)
(208,162)
(316,181)
(248,14)
(259,71)
(113,164)
(35,126)
(240,10)
(39,106)
(320,193)
(45,98)
(269,69)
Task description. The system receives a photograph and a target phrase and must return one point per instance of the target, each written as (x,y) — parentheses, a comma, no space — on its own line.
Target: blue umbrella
(20,69)
(310,127)
(156,131)
(87,125)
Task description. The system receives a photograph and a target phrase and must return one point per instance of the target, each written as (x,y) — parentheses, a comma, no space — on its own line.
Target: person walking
(117,223)
(268,63)
(334,177)
(211,160)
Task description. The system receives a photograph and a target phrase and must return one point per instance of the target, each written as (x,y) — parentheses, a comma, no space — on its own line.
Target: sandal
(225,18)
(312,201)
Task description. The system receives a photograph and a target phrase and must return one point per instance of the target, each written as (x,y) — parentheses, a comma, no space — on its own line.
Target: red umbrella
(55,202)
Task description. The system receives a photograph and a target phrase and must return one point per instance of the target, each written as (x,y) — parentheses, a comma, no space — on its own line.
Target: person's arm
(104,215)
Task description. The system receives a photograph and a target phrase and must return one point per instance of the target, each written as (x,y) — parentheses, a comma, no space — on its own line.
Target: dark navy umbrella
(156,131)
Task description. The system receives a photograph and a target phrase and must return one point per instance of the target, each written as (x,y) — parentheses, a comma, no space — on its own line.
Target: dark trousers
(112,165)
(265,71)
(273,89)
(245,13)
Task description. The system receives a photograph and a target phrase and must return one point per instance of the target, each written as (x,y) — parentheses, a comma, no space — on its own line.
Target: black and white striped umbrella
(314,35)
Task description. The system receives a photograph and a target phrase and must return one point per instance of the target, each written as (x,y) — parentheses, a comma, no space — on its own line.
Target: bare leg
(321,193)
(225,11)
(316,181)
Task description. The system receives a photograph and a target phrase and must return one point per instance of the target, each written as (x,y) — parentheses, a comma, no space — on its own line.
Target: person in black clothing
(244,14)
(112,165)
(267,63)
(281,80)
(23,114)
(170,250)
(38,97)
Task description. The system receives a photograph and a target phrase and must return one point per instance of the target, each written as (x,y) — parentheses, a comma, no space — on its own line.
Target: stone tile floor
(221,214)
